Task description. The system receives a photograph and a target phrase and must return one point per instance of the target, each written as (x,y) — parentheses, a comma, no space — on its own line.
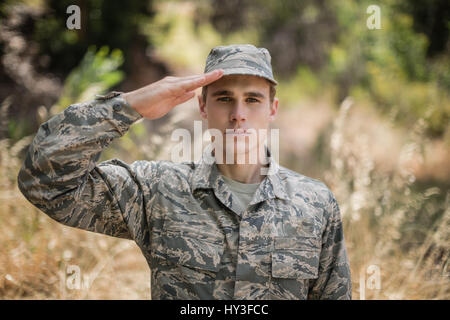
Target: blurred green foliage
(389,67)
(323,48)
(104,23)
(318,48)
(97,72)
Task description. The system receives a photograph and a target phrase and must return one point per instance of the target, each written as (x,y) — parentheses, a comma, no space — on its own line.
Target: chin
(240,150)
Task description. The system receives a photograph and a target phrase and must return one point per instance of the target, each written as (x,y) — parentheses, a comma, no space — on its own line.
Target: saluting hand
(157,99)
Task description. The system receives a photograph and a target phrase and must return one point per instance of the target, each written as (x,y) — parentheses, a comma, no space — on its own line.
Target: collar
(207,176)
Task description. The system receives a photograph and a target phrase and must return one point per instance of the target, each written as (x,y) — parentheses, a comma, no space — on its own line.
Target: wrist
(129,98)
(126,96)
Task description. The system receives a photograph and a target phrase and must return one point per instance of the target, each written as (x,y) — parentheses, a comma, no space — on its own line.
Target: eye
(252,100)
(224,99)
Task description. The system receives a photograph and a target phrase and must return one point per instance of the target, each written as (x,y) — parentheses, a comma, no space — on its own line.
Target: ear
(202,107)
(273,109)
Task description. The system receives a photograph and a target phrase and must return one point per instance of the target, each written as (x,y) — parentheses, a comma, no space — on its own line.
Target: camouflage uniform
(199,244)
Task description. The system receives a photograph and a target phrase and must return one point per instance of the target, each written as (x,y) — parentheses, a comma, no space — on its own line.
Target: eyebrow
(230,93)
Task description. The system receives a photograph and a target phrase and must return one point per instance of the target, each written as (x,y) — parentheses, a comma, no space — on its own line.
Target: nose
(238,113)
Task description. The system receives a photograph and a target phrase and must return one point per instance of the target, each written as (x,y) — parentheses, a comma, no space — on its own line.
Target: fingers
(185,97)
(194,82)
(212,76)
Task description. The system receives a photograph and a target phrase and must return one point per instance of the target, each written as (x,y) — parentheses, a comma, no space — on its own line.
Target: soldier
(208,230)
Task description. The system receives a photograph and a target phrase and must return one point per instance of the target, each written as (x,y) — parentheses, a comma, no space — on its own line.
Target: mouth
(237,132)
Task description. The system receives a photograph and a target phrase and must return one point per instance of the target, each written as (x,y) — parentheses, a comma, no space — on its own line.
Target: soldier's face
(234,105)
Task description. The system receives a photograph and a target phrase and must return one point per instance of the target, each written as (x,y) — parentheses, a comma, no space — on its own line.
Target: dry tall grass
(390,228)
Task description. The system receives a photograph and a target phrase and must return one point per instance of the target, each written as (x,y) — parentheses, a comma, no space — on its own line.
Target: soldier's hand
(157,99)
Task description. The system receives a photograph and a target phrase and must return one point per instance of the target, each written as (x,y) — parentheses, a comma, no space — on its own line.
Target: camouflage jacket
(287,244)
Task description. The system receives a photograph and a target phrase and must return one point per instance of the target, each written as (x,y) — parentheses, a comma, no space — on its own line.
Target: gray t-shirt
(243,191)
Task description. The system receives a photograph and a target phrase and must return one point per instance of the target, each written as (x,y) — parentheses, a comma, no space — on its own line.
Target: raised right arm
(60,174)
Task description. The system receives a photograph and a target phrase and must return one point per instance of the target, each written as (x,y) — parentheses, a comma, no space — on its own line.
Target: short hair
(272,91)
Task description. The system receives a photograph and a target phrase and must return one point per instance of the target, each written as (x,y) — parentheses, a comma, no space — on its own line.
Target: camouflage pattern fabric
(244,59)
(287,244)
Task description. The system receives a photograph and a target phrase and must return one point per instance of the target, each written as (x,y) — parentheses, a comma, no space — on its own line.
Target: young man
(209,230)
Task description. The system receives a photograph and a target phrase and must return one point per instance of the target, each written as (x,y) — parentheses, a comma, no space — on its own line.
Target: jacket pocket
(296,257)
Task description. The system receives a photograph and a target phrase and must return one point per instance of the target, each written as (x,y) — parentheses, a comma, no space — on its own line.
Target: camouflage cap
(241,59)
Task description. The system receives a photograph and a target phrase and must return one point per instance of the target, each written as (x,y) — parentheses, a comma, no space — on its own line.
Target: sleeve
(334,281)
(60,175)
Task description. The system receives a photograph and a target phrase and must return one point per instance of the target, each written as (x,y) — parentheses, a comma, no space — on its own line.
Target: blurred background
(364,110)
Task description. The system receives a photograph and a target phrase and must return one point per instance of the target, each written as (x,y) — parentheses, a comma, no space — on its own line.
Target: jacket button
(117,107)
